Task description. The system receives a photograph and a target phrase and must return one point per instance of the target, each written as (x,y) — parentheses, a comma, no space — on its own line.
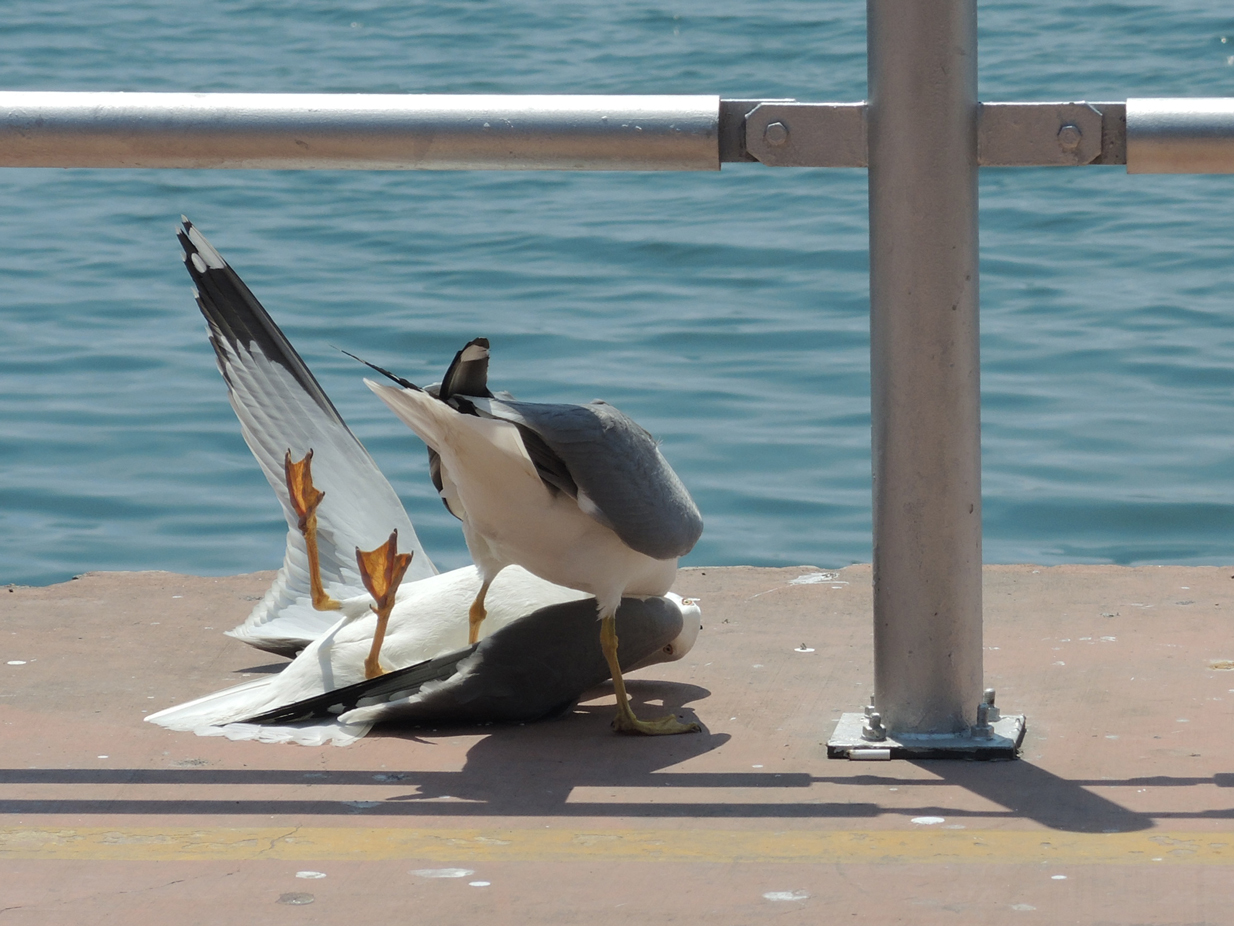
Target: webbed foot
(626,722)
(381,570)
(305,497)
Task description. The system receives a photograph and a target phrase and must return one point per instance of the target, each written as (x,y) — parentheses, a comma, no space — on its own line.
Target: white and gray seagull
(579,495)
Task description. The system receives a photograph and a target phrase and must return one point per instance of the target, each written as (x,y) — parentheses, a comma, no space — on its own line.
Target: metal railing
(290,131)
(923,135)
(287,131)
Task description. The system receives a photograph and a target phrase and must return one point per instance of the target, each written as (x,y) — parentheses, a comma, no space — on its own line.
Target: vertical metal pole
(924,363)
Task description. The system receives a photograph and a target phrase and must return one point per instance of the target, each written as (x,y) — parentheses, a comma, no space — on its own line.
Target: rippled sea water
(727,312)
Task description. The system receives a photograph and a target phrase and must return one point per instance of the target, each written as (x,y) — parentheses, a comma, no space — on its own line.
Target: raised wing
(282,407)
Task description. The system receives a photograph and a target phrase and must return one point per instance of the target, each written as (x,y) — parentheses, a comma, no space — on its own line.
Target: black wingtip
(182,233)
(406,384)
(236,317)
(400,683)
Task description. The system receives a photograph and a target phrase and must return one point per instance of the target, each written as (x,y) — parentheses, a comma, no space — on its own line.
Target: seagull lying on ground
(538,654)
(579,495)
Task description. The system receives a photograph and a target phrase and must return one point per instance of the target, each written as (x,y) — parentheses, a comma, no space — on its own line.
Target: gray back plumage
(619,467)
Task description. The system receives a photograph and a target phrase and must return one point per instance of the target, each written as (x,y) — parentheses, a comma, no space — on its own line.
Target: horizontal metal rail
(1180,136)
(358,131)
(288,131)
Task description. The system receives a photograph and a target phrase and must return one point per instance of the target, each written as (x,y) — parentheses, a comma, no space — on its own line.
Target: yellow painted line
(568,844)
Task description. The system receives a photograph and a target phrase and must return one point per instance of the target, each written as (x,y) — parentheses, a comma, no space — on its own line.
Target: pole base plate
(1003,743)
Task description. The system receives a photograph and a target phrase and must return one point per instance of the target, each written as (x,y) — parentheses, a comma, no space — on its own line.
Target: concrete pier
(1121,808)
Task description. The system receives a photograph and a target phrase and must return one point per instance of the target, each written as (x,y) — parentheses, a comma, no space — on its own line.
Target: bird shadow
(534,768)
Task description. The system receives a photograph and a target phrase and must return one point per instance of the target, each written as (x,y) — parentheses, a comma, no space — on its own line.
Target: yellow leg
(372,665)
(381,570)
(305,497)
(625,721)
(476,615)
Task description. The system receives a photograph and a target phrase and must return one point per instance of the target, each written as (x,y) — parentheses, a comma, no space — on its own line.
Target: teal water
(727,312)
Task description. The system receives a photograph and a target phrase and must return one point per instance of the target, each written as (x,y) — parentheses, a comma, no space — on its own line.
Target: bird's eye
(668,650)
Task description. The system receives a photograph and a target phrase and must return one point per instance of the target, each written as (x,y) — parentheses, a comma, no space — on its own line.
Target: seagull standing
(579,495)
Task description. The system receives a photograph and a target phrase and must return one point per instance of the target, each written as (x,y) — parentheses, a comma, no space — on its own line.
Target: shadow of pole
(1032,792)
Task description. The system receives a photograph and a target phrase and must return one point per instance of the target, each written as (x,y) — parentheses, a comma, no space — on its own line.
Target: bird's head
(676,648)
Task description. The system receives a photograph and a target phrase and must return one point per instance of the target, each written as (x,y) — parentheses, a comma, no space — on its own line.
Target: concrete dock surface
(1119,811)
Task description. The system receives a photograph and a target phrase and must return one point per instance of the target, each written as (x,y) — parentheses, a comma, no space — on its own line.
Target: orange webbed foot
(305,497)
(381,570)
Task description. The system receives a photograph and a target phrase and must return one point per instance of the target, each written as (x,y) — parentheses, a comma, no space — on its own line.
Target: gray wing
(621,478)
(534,668)
(282,407)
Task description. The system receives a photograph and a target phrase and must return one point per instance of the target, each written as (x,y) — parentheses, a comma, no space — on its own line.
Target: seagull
(323,609)
(579,495)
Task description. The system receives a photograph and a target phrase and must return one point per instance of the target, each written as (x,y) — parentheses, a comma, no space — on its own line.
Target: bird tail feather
(427,416)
